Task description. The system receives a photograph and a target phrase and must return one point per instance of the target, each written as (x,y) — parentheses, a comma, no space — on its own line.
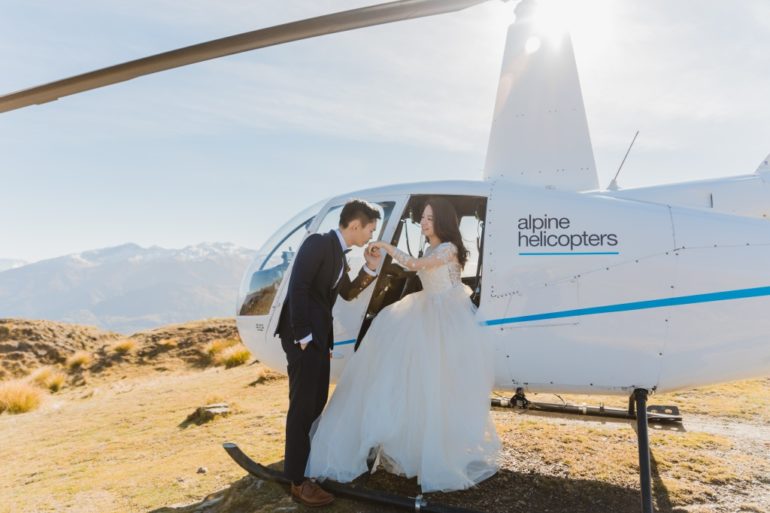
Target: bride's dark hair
(446,226)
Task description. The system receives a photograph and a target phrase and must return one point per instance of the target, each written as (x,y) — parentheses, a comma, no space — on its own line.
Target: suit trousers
(308,371)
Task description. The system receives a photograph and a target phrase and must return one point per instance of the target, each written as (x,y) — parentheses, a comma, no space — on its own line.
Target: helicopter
(583,290)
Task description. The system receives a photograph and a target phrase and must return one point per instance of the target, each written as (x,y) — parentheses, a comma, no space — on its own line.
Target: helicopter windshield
(264,275)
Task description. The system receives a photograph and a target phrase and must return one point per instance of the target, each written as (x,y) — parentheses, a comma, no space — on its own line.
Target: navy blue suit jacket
(312,291)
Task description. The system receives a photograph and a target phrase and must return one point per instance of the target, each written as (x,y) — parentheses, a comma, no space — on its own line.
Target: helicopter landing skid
(352,491)
(655,413)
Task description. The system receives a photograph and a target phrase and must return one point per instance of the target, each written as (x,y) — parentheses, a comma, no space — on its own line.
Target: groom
(305,329)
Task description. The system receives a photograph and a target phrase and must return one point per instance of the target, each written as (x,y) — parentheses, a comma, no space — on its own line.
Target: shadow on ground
(506,492)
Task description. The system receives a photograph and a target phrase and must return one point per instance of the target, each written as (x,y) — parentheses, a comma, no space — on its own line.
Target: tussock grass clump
(79,359)
(48,377)
(227,351)
(234,356)
(216,347)
(19,397)
(124,346)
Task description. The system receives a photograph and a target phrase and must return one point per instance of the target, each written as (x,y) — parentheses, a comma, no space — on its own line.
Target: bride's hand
(380,245)
(373,256)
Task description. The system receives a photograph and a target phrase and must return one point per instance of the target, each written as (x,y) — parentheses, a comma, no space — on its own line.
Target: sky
(227,150)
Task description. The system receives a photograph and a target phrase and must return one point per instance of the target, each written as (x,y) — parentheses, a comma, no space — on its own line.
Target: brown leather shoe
(310,494)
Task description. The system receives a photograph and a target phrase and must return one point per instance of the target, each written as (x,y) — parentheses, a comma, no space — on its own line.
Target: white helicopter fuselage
(597,292)
(578,289)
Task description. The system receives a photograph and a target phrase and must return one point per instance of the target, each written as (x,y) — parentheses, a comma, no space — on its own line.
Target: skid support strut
(640,397)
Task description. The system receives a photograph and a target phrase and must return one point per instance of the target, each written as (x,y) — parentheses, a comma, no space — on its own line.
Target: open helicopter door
(348,315)
(395,282)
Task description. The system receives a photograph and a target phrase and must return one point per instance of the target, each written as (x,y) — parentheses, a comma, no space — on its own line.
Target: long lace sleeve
(445,253)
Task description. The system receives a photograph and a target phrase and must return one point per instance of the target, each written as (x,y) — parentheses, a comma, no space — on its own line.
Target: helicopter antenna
(613,186)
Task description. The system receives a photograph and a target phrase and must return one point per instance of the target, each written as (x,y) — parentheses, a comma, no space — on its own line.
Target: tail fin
(540,133)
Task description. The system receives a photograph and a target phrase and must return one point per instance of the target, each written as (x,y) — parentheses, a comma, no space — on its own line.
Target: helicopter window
(264,283)
(264,276)
(332,220)
(263,279)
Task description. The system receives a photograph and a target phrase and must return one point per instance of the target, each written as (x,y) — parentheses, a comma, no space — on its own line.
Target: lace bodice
(439,269)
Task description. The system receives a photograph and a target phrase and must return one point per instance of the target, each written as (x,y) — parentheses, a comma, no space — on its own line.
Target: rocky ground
(26,345)
(118,440)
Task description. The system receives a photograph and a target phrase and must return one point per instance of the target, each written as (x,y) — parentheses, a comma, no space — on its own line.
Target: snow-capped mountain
(8,263)
(128,288)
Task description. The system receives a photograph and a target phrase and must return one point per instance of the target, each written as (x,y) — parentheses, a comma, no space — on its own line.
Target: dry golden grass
(79,359)
(227,351)
(750,508)
(233,356)
(691,465)
(747,400)
(123,450)
(48,377)
(215,347)
(124,346)
(19,397)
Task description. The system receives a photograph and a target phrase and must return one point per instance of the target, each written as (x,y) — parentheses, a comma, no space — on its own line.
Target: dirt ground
(120,444)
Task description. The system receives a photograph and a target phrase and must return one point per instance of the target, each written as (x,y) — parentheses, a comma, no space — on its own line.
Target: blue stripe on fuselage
(638,305)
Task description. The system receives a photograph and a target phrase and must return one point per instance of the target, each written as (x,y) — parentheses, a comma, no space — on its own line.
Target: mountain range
(127,288)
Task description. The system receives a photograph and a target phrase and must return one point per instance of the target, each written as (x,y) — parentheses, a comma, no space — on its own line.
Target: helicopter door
(348,315)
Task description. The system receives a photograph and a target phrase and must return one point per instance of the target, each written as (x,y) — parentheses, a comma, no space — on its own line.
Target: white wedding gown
(417,390)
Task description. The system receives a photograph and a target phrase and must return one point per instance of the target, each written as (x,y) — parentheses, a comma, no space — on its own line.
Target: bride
(417,390)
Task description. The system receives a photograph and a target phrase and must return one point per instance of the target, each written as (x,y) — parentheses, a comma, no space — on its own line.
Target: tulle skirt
(417,393)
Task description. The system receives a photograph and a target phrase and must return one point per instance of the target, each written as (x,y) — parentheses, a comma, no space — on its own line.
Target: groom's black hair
(358,209)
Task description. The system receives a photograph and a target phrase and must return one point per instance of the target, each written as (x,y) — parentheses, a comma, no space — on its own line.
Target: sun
(589,22)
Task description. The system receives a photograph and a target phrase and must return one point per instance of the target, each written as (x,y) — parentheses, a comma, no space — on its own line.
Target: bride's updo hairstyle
(446,226)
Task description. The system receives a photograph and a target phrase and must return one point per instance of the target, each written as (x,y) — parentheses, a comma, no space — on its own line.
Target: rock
(202,470)
(204,414)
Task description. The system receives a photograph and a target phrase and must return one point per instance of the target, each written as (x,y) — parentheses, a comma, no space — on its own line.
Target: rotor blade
(293,31)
